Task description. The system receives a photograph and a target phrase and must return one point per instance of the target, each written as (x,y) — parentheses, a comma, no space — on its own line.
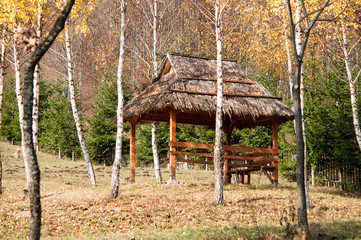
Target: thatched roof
(188,85)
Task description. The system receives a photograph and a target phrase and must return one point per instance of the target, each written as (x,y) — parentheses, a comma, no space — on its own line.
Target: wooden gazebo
(185,93)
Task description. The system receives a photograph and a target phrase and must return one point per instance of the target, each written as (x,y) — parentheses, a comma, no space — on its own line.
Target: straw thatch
(188,85)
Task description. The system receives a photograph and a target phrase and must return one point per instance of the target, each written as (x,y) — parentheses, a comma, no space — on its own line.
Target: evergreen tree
(10,121)
(57,130)
(102,123)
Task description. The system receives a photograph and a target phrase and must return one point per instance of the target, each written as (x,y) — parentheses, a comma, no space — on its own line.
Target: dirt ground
(146,210)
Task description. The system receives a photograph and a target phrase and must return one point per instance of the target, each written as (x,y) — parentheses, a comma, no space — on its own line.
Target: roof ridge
(201,57)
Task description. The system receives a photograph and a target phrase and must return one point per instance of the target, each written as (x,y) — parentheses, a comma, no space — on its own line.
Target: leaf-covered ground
(145,210)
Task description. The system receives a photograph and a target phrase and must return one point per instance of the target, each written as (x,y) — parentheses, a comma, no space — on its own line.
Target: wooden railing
(255,156)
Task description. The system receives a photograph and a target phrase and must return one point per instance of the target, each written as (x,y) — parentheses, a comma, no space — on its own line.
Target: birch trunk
(352,84)
(298,31)
(2,74)
(1,174)
(36,86)
(20,102)
(158,174)
(79,127)
(218,169)
(29,151)
(114,185)
(289,60)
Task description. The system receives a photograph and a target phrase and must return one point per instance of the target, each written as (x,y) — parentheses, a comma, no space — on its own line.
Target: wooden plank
(191,154)
(132,152)
(251,158)
(188,161)
(251,149)
(172,138)
(268,176)
(225,147)
(232,157)
(191,145)
(235,165)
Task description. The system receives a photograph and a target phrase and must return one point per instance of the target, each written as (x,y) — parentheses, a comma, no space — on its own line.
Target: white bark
(298,31)
(79,127)
(2,73)
(352,84)
(158,174)
(20,102)
(114,186)
(218,170)
(36,85)
(289,59)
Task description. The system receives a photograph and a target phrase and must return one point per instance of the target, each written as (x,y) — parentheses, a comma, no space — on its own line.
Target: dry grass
(72,210)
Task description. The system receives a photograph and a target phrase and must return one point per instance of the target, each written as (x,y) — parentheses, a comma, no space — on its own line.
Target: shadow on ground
(334,230)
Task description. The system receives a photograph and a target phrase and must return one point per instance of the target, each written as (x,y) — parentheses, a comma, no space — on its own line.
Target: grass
(145,210)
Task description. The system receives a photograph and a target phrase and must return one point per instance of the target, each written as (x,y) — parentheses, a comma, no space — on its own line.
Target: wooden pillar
(172,138)
(275,147)
(248,177)
(226,176)
(132,152)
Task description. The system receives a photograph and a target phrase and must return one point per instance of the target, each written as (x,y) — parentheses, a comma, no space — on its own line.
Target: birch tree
(158,174)
(37,85)
(29,151)
(298,36)
(19,99)
(218,163)
(298,55)
(114,186)
(352,64)
(2,74)
(74,107)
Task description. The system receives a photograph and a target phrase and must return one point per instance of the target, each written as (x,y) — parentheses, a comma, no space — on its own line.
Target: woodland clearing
(71,209)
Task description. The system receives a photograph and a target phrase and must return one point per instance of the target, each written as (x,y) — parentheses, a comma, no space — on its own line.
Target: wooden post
(226,176)
(173,138)
(248,177)
(132,152)
(275,147)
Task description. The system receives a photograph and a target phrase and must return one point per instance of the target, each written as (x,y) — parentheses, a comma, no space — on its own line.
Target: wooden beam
(132,152)
(225,147)
(269,160)
(192,154)
(275,147)
(189,161)
(226,176)
(191,145)
(172,138)
(250,149)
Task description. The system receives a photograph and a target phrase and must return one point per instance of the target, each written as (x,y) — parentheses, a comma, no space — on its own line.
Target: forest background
(257,39)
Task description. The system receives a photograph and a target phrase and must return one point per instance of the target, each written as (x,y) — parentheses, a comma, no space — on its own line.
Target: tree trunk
(20,102)
(298,31)
(218,170)
(2,74)
(79,127)
(36,88)
(114,186)
(1,174)
(158,174)
(29,151)
(352,85)
(300,171)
